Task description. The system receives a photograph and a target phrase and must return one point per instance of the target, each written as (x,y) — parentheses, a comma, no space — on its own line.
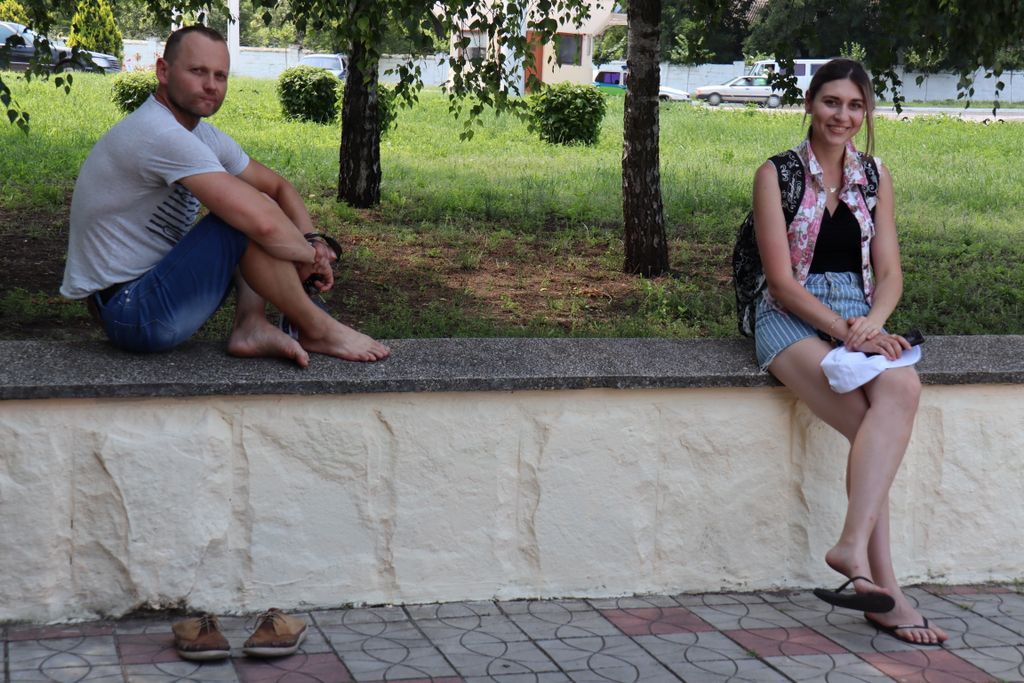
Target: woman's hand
(862,329)
(889,345)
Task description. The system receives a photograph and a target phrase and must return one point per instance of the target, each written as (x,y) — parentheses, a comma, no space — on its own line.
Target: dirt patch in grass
(32,249)
(396,283)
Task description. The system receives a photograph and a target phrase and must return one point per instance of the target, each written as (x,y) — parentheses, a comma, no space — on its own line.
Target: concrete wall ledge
(464,469)
(37,369)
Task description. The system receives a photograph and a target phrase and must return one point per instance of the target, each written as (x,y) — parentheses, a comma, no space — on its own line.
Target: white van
(803,69)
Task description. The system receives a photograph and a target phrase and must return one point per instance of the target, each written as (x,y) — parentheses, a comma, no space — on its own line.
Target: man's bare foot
(907,624)
(341,341)
(255,337)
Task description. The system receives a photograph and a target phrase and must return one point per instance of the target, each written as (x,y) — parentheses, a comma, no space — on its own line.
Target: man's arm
(243,206)
(273,185)
(289,200)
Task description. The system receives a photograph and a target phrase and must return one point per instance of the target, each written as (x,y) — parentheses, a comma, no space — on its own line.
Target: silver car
(742,89)
(335,63)
(22,49)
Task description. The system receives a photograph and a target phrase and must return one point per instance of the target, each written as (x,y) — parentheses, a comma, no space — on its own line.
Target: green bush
(12,10)
(308,93)
(93,28)
(566,113)
(131,88)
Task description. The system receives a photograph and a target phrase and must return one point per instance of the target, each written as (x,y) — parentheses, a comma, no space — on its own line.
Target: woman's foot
(907,624)
(846,561)
(860,592)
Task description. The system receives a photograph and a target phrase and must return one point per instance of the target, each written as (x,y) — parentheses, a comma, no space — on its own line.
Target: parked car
(21,51)
(616,78)
(803,69)
(667,94)
(610,77)
(741,89)
(335,63)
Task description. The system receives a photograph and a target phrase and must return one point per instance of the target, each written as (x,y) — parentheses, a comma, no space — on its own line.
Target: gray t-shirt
(129,209)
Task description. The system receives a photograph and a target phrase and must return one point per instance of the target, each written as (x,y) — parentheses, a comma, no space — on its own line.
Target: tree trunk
(359,177)
(642,211)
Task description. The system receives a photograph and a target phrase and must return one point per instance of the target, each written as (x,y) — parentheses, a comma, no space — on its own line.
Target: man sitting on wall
(153,275)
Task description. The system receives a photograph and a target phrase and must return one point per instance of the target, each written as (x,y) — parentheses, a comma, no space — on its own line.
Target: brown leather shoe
(200,639)
(277,634)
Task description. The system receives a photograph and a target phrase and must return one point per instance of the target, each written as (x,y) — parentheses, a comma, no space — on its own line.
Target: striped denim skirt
(775,330)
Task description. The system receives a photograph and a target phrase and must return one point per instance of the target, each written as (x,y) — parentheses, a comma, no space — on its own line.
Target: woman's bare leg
(880,556)
(875,456)
(798,367)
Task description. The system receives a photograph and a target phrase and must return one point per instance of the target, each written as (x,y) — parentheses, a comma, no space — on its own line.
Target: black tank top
(837,249)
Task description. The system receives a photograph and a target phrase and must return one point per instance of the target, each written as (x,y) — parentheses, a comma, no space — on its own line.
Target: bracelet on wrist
(828,330)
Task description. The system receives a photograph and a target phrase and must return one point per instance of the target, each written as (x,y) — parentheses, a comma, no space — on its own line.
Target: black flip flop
(862,602)
(891,630)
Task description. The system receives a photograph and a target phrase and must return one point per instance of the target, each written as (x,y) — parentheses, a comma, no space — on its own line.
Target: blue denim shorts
(169,303)
(775,330)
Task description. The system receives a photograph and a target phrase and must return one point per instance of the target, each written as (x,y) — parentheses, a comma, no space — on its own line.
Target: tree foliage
(93,28)
(687,39)
(957,35)
(11,10)
(610,46)
(834,25)
(137,22)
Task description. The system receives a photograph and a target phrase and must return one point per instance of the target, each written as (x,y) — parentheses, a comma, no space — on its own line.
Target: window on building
(477,48)
(570,49)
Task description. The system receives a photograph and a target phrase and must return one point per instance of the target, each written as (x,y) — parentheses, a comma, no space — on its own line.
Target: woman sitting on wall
(834,277)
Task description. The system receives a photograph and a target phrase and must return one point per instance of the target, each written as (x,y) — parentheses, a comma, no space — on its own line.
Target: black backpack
(747,272)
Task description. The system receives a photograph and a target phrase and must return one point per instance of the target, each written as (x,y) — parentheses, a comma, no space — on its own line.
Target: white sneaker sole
(276,651)
(203,655)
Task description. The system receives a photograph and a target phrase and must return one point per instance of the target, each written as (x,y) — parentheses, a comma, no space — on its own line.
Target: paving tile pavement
(786,636)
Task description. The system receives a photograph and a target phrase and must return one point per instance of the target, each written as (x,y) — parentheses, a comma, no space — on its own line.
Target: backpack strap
(748,274)
(870,191)
(791,182)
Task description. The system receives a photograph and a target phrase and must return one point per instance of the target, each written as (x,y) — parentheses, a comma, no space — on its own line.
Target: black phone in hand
(913,337)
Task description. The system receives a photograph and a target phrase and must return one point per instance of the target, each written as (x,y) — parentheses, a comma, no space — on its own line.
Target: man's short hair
(174,41)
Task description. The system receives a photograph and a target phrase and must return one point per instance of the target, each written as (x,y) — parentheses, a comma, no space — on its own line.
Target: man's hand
(325,256)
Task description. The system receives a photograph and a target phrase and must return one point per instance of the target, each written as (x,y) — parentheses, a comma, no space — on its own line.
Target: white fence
(260,62)
(264,62)
(934,86)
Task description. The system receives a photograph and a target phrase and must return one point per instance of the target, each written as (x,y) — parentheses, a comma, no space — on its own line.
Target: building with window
(569,57)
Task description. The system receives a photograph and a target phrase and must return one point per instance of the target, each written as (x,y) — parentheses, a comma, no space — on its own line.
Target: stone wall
(629,466)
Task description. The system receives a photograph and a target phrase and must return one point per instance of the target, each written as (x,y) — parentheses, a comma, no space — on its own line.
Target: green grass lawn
(506,235)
